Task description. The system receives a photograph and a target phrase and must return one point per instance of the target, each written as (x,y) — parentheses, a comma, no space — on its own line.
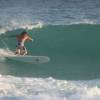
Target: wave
(47,89)
(74,52)
(84,21)
(15,26)
(73,49)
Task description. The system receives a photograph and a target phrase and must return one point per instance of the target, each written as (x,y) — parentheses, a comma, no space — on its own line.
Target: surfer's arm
(29,38)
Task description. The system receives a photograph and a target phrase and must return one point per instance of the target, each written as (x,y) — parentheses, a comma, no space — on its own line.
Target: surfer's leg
(23,51)
(17,51)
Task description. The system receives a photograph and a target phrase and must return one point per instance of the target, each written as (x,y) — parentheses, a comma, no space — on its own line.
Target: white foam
(14,26)
(5,52)
(28,26)
(48,89)
(83,21)
(2,30)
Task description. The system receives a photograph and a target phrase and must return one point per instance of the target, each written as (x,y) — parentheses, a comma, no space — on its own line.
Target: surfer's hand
(32,40)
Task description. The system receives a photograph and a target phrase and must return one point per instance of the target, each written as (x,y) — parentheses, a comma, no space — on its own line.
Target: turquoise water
(73,51)
(73,68)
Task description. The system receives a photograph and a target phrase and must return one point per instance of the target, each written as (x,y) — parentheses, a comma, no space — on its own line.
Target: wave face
(73,50)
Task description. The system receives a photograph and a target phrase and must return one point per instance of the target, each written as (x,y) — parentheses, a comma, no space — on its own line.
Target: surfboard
(30,59)
(8,54)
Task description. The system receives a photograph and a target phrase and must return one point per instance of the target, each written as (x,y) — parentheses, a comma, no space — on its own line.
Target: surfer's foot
(16,53)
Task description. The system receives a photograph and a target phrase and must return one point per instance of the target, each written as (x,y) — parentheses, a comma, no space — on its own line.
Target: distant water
(49,11)
(67,31)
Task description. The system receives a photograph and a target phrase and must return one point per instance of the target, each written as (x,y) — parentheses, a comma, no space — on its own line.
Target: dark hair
(23,33)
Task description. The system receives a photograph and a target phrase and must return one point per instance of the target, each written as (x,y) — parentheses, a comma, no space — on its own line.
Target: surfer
(21,39)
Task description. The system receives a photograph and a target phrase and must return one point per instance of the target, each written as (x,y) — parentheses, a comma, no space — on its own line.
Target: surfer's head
(24,33)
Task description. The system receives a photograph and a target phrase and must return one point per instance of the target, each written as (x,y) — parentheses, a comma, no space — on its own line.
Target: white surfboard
(30,59)
(8,54)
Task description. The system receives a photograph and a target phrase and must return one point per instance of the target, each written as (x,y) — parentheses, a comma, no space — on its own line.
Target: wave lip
(15,26)
(84,21)
(29,26)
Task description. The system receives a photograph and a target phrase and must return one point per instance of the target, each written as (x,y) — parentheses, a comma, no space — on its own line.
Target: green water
(73,50)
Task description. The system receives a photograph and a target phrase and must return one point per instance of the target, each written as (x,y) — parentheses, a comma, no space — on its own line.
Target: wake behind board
(30,59)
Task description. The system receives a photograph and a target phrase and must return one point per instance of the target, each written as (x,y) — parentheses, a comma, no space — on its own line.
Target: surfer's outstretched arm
(29,38)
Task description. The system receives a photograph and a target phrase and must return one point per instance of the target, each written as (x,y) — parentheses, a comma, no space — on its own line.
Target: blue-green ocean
(68,32)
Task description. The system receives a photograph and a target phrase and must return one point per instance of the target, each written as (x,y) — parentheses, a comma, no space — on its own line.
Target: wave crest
(84,21)
(15,26)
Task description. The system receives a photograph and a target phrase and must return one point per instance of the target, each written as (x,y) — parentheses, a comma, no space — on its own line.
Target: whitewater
(47,89)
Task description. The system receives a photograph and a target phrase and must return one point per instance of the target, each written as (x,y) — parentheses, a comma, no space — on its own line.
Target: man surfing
(21,39)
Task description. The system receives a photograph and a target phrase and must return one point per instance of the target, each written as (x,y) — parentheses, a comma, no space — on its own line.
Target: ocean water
(67,31)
